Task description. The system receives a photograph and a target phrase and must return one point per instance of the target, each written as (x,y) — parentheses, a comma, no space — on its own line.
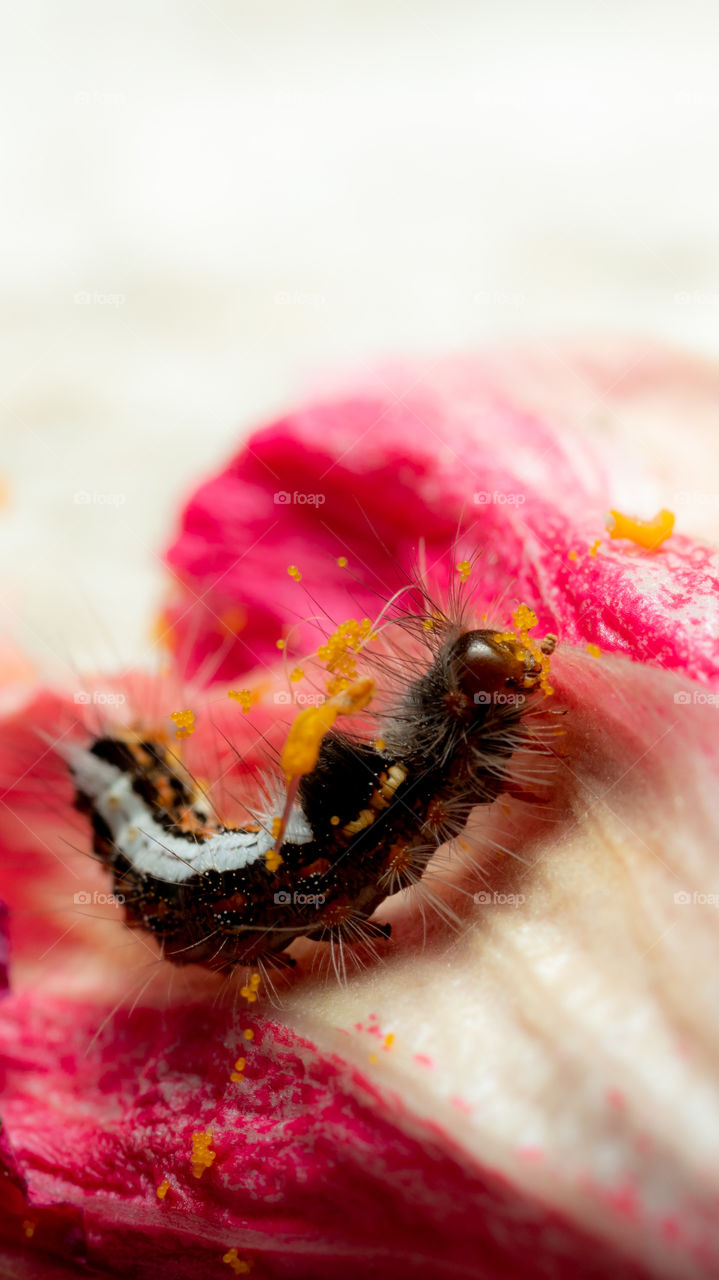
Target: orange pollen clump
(243,696)
(294,572)
(239,1068)
(163,1189)
(594,650)
(185,721)
(302,748)
(249,993)
(339,652)
(464,569)
(273,860)
(202,1157)
(644,533)
(240,1266)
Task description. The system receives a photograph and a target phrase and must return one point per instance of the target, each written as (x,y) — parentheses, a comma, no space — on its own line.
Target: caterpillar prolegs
(354,826)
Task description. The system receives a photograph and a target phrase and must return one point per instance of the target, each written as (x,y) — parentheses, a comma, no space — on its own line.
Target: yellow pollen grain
(302,746)
(595,547)
(249,1034)
(334,820)
(338,653)
(297,674)
(373,1057)
(380,744)
(29,1228)
(594,650)
(163,1189)
(464,569)
(573,555)
(644,533)
(428,623)
(185,722)
(524,620)
(240,1266)
(389,1040)
(202,1155)
(249,993)
(243,696)
(294,572)
(281,644)
(342,562)
(273,860)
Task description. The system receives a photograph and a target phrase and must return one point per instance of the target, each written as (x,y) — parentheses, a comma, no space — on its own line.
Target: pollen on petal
(644,533)
(202,1154)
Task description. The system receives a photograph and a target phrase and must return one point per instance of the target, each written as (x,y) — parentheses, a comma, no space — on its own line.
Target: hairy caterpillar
(360,821)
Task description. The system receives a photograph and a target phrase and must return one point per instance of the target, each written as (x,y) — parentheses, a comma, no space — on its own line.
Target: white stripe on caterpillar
(148,846)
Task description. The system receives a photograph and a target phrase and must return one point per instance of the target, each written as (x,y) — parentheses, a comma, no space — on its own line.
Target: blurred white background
(205,205)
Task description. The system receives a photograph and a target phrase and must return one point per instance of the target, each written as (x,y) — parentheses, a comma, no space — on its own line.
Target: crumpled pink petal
(549,1105)
(418,454)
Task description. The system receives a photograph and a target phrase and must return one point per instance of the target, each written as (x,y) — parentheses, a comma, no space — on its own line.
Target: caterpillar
(356,818)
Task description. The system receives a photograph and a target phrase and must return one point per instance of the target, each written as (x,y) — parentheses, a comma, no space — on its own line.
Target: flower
(531,1094)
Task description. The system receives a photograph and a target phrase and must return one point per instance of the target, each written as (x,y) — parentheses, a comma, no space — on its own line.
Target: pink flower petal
(370,472)
(340,1151)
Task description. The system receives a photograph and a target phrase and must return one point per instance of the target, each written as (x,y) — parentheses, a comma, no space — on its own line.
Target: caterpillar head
(487,664)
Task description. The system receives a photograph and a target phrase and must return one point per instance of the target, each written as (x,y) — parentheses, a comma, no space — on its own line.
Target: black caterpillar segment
(365,822)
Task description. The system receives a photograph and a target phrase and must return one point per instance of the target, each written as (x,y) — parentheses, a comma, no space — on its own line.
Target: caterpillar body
(358,826)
